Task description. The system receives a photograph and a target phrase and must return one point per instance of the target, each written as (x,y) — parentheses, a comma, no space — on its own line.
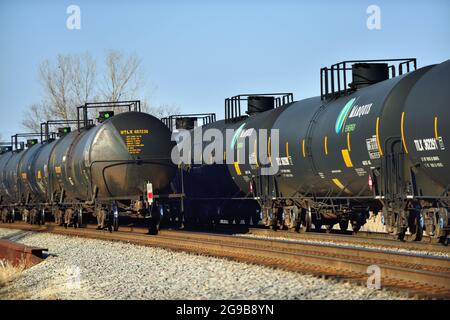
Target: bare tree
(162,111)
(123,77)
(83,73)
(66,84)
(71,81)
(56,81)
(35,115)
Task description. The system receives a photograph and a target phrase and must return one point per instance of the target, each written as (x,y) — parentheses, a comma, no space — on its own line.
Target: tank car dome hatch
(257,104)
(366,74)
(187,123)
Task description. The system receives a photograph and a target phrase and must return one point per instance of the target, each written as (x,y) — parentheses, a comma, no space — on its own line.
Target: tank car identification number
(133,139)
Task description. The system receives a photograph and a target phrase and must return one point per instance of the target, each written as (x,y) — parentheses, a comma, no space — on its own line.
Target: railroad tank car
(343,154)
(209,187)
(105,167)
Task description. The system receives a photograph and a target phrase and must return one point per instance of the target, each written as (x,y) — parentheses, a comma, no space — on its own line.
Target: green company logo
(342,117)
(236,134)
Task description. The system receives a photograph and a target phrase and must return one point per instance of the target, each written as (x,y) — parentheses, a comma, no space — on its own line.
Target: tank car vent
(187,123)
(365,74)
(105,115)
(335,80)
(31,142)
(63,131)
(256,104)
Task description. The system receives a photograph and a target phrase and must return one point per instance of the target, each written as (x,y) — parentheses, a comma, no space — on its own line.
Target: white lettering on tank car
(359,111)
(284,161)
(428,144)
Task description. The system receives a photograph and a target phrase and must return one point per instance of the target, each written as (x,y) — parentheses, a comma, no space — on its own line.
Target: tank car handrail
(133,105)
(233,104)
(206,118)
(15,139)
(45,127)
(329,76)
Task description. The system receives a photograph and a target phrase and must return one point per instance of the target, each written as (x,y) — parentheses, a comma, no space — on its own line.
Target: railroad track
(361,238)
(418,275)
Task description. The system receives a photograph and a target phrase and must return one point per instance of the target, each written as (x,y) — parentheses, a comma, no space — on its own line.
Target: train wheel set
(374,141)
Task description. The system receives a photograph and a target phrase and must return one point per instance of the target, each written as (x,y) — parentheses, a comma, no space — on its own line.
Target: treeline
(72,80)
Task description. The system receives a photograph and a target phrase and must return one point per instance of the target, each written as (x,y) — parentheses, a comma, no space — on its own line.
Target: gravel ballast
(80,268)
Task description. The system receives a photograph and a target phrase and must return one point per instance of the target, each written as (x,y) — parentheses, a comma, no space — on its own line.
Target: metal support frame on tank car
(233,105)
(83,121)
(15,140)
(205,118)
(331,77)
(47,135)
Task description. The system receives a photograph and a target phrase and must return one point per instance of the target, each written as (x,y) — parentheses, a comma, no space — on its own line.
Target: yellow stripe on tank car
(346,157)
(348,142)
(268,150)
(339,184)
(325,144)
(236,167)
(303,148)
(436,135)
(378,136)
(402,130)
(287,149)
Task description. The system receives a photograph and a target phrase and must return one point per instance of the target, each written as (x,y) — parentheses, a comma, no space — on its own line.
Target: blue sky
(199,52)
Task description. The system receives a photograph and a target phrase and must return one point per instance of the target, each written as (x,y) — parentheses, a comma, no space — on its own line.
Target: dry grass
(9,272)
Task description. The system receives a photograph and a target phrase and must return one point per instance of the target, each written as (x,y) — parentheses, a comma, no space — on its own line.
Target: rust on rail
(17,253)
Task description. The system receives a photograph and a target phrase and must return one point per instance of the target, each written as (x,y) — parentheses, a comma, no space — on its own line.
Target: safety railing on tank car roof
(47,135)
(20,145)
(333,80)
(83,120)
(5,147)
(205,118)
(233,105)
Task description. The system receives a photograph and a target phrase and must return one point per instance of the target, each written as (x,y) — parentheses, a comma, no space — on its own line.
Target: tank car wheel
(446,241)
(152,227)
(42,218)
(115,224)
(356,226)
(318,225)
(329,227)
(343,225)
(419,227)
(79,222)
(401,235)
(256,218)
(308,221)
